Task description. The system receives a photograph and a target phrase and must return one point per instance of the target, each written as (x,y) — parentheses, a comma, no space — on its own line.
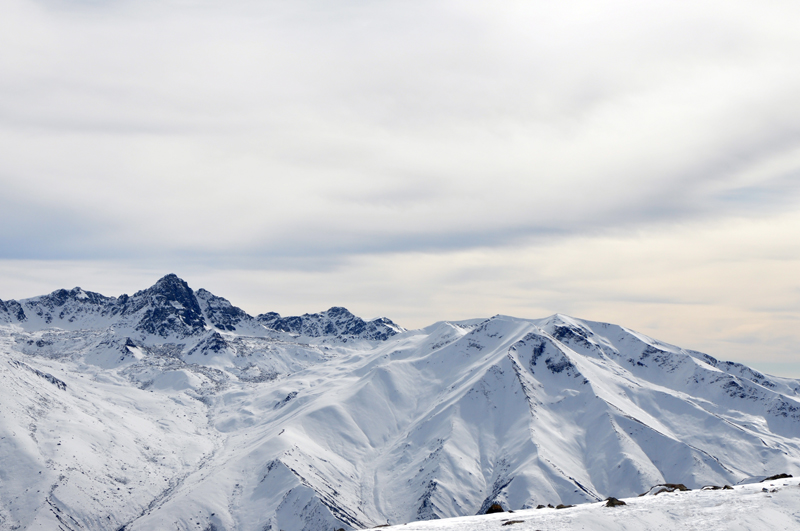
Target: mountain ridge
(322,422)
(171,308)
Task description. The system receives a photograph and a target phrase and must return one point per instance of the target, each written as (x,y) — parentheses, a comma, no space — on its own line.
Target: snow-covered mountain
(173,409)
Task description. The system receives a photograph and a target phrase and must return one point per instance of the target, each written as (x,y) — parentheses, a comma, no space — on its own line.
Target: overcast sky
(630,162)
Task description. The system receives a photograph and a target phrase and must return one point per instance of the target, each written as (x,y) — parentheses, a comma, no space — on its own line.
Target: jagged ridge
(323,421)
(171,309)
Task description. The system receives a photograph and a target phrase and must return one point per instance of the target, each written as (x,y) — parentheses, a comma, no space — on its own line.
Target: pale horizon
(621,162)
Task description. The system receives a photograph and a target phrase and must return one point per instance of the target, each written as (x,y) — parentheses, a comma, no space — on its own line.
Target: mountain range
(173,409)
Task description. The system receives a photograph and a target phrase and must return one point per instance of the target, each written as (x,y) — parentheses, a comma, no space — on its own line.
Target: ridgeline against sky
(618,161)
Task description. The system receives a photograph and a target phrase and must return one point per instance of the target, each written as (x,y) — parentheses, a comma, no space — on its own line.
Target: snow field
(745,508)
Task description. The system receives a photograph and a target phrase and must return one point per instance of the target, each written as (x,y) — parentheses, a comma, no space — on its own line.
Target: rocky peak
(268,319)
(171,290)
(61,305)
(212,343)
(62,297)
(220,312)
(171,308)
(335,322)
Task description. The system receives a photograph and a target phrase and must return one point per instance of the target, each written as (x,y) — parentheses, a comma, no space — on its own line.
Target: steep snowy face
(327,421)
(336,322)
(448,420)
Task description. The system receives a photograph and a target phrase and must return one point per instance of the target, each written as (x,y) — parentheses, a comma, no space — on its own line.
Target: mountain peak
(336,321)
(170,281)
(338,311)
(173,289)
(172,307)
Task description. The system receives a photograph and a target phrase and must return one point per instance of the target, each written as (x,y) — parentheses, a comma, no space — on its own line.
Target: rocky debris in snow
(614,502)
(665,487)
(777,476)
(717,487)
(49,377)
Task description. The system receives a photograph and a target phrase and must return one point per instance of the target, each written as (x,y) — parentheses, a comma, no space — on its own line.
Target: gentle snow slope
(746,508)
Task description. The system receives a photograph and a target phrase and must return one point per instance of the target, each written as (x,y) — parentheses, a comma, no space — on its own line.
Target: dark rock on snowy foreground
(173,409)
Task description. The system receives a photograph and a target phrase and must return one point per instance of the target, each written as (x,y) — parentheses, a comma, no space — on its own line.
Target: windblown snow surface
(173,409)
(769,506)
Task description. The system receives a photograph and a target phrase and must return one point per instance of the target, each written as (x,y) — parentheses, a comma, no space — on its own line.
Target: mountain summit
(173,408)
(170,309)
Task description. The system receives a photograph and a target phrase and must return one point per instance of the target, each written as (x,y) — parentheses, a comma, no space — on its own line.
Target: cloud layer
(260,130)
(311,139)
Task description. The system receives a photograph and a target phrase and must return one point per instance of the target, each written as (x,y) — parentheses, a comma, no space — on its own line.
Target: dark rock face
(427,509)
(286,400)
(666,487)
(613,502)
(778,476)
(570,334)
(735,368)
(221,313)
(47,376)
(60,297)
(554,359)
(495,508)
(293,325)
(11,311)
(68,305)
(171,308)
(335,322)
(213,343)
(268,319)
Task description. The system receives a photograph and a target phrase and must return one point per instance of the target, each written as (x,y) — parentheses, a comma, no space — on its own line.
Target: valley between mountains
(173,409)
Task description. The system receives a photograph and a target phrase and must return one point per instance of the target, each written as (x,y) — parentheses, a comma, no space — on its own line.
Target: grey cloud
(242,131)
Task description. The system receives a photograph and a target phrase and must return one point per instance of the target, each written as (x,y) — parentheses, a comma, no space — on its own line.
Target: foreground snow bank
(770,505)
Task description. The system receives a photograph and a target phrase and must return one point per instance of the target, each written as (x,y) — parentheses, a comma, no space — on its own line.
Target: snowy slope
(207,418)
(773,506)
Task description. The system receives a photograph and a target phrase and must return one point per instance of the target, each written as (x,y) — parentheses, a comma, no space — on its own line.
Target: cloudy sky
(623,161)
